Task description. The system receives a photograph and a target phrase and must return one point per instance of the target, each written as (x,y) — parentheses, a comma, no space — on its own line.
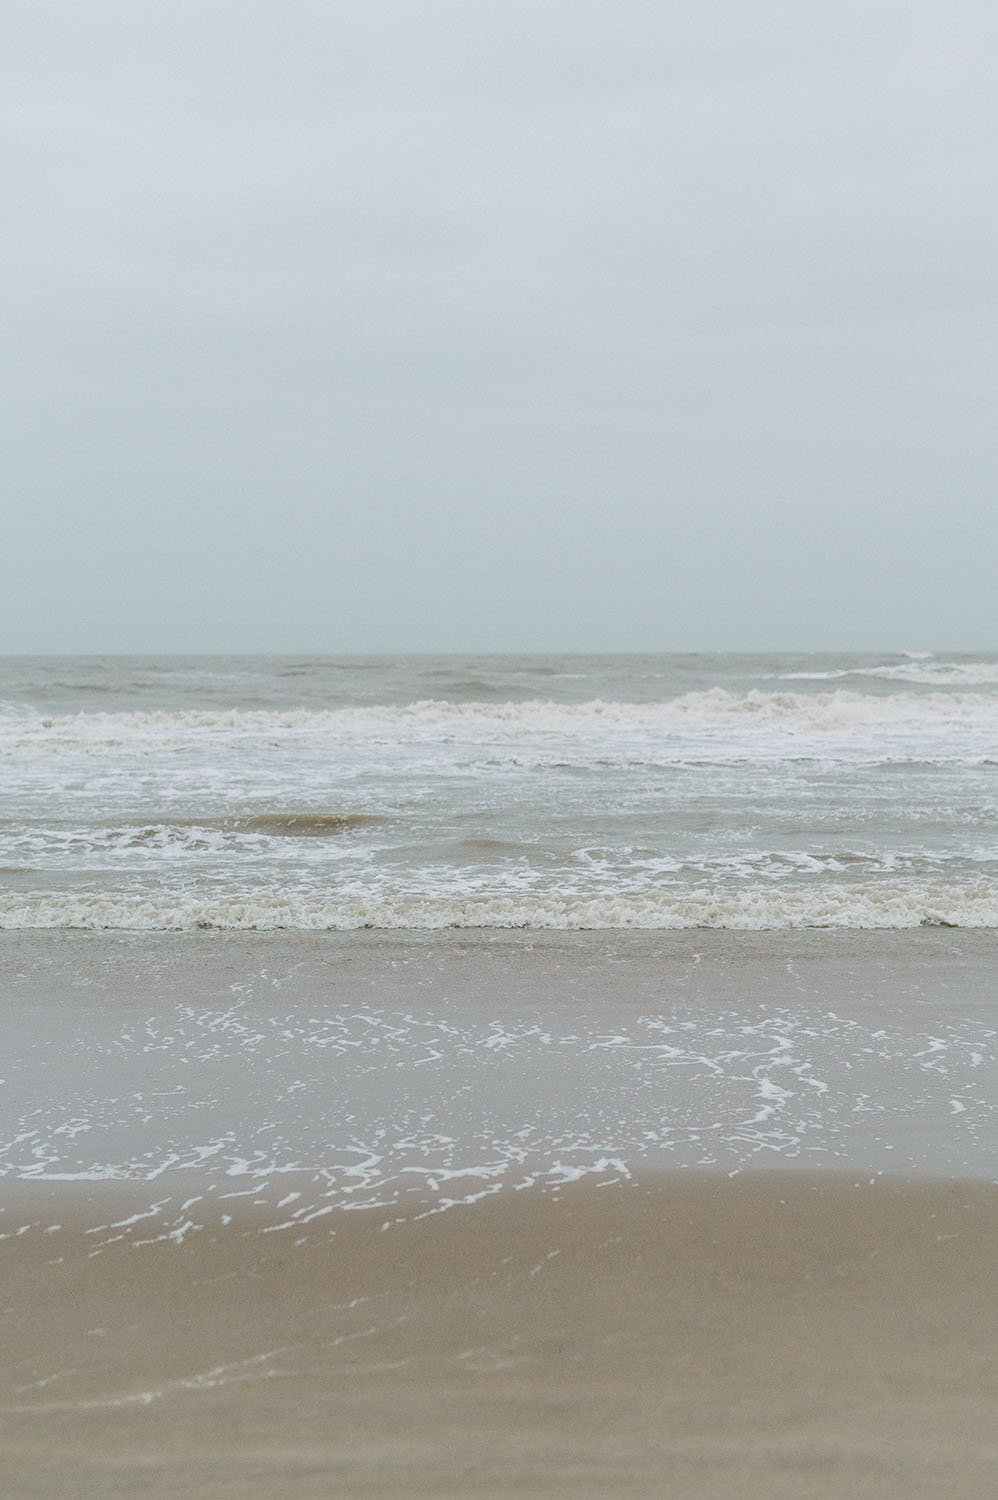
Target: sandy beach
(777,1334)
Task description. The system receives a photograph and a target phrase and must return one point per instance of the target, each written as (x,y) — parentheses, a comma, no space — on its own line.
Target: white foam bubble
(710,712)
(881,904)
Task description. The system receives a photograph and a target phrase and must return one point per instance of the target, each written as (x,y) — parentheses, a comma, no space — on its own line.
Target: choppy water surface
(562,792)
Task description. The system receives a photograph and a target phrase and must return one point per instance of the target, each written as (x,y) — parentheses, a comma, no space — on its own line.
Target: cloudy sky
(457,324)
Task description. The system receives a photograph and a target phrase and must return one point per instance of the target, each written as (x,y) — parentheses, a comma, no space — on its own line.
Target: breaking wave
(757,907)
(709,713)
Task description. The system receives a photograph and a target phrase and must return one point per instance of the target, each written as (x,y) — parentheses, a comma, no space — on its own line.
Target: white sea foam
(709,713)
(431,1106)
(881,904)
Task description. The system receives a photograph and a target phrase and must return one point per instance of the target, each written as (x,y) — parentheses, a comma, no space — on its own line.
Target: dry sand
(776,1335)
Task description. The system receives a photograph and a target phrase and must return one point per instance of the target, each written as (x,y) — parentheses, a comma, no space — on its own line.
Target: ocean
(532,792)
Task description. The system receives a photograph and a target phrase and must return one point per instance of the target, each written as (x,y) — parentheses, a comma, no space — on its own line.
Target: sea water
(564,792)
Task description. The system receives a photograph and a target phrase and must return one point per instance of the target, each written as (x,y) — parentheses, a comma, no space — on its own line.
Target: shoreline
(677,942)
(397,1066)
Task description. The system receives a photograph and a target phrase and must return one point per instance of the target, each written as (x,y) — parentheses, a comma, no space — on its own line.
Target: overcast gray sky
(455,324)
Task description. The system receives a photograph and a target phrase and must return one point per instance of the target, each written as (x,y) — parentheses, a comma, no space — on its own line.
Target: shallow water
(329,1072)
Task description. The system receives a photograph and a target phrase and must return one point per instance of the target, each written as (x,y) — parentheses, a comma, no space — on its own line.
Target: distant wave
(712,713)
(917,669)
(758,907)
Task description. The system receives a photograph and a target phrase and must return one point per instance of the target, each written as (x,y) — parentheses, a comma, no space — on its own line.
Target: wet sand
(779,1334)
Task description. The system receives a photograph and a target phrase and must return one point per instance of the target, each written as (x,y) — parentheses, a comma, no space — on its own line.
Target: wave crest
(713,712)
(754,908)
